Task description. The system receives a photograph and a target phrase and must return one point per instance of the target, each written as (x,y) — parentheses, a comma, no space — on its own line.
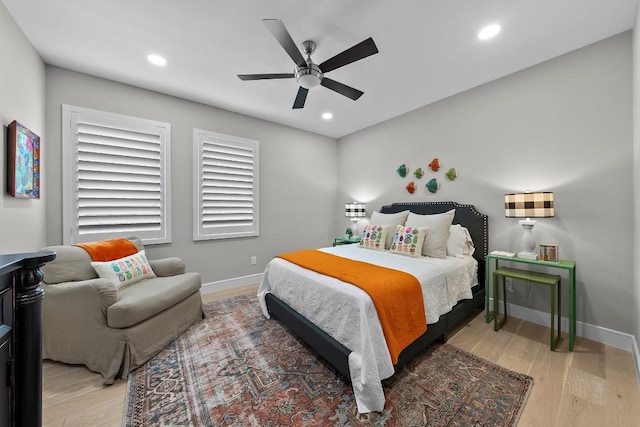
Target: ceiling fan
(309,74)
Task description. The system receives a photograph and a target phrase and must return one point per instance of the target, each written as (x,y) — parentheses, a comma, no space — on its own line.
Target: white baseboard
(636,358)
(236,282)
(602,335)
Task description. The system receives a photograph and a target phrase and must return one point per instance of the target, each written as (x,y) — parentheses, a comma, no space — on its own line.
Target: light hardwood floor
(595,385)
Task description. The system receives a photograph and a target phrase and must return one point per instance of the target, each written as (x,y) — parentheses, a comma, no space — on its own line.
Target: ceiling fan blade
(265,76)
(281,34)
(353,54)
(341,88)
(301,97)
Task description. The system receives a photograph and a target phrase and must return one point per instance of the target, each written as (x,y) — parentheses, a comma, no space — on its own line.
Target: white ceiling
(428,48)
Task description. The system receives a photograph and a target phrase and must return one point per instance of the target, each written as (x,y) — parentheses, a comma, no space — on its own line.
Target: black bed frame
(338,355)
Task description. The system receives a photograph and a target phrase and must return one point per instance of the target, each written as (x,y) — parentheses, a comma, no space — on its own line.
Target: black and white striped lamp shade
(529,205)
(355,210)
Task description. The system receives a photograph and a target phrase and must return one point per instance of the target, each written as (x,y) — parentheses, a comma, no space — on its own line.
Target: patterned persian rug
(236,368)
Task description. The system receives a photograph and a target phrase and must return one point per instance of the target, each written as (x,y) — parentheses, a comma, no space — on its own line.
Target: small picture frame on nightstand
(549,252)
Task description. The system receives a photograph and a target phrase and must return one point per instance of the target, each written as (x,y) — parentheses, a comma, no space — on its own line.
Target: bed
(287,294)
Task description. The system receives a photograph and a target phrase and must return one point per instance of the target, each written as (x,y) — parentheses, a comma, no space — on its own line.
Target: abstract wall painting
(23,158)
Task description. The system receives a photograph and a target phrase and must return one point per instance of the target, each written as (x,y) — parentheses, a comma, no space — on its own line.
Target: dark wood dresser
(20,338)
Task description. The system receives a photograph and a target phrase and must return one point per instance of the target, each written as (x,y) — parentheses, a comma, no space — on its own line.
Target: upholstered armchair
(109,327)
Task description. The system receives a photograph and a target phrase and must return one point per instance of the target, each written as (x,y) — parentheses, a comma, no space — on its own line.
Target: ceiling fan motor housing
(309,76)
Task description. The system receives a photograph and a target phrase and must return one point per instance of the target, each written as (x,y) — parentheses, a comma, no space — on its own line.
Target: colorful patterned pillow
(408,241)
(125,271)
(393,219)
(374,236)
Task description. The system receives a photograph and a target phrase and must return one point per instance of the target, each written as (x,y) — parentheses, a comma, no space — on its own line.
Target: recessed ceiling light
(157,60)
(327,116)
(489,32)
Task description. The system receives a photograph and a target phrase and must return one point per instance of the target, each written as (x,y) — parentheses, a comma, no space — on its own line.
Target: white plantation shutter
(116,176)
(226,186)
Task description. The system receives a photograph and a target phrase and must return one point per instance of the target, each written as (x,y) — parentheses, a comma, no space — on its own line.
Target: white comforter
(347,313)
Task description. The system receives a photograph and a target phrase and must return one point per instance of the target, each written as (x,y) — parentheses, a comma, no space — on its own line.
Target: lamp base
(528,255)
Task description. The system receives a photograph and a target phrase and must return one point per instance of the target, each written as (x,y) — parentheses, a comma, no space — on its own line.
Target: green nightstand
(564,264)
(342,241)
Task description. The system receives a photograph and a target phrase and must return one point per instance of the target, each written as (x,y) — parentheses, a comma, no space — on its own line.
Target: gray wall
(563,126)
(22,221)
(298,174)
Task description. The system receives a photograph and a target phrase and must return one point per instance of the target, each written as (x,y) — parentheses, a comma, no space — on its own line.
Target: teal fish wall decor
(402,170)
(433,185)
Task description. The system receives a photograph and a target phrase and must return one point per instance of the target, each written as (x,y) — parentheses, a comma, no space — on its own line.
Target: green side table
(342,241)
(554,281)
(567,265)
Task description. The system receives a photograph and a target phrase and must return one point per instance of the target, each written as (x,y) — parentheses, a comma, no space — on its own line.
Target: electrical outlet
(254,260)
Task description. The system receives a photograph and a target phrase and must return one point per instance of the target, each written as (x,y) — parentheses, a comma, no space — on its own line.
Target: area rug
(236,368)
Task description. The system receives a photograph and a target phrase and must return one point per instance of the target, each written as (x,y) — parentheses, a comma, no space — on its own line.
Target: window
(116,177)
(226,186)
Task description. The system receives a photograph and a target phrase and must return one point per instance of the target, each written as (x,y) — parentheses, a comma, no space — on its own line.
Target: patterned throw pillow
(408,241)
(392,219)
(125,271)
(374,236)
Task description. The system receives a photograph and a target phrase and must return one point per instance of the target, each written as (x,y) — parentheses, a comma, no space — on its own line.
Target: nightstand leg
(495,302)
(497,323)
(572,308)
(504,299)
(488,317)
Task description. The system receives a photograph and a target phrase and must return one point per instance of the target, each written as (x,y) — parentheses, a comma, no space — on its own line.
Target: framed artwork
(23,162)
(549,252)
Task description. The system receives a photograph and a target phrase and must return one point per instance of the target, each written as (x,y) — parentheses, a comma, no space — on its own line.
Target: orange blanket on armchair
(108,250)
(396,295)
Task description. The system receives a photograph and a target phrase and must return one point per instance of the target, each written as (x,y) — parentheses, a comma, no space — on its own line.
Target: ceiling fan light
(308,77)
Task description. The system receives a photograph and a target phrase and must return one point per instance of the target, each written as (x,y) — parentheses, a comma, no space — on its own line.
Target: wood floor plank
(468,336)
(548,371)
(594,386)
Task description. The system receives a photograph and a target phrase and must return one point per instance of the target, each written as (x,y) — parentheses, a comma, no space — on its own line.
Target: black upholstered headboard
(466,215)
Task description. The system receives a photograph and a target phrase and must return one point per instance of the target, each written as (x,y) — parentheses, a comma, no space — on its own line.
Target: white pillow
(408,241)
(374,236)
(435,242)
(459,243)
(394,219)
(125,271)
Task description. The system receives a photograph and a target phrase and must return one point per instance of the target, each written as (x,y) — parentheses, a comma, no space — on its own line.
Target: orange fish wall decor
(411,187)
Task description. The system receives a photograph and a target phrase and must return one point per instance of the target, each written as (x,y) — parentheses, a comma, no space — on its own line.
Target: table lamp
(354,211)
(528,205)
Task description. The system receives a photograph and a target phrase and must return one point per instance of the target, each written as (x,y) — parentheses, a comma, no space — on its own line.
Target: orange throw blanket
(396,295)
(108,250)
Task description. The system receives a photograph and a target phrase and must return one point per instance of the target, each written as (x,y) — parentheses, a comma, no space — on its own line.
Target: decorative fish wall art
(433,185)
(411,187)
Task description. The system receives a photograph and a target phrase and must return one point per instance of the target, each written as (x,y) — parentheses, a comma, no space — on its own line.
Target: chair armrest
(84,299)
(167,266)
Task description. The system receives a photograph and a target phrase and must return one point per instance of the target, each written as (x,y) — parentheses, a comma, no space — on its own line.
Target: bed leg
(444,337)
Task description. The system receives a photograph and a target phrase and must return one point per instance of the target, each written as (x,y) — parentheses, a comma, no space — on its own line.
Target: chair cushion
(144,299)
(71,264)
